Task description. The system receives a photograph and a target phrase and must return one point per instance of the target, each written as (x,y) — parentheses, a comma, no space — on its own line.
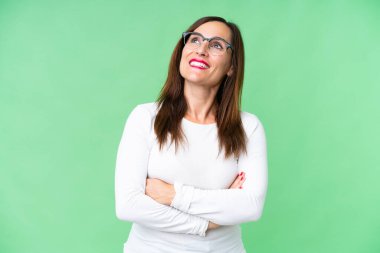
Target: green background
(71,71)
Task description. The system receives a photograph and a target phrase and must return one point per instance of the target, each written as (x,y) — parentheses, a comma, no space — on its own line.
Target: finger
(240,181)
(237,181)
(233,185)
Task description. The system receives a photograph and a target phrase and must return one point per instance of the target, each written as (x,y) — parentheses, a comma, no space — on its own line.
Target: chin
(195,79)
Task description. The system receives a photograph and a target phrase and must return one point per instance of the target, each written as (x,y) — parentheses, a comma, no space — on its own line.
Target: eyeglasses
(216,45)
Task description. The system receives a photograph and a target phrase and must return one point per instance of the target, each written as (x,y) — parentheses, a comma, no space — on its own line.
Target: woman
(182,160)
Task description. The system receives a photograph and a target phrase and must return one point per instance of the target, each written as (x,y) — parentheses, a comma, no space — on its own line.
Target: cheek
(183,62)
(226,66)
(182,66)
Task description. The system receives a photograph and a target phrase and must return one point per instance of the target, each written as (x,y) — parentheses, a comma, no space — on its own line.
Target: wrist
(170,194)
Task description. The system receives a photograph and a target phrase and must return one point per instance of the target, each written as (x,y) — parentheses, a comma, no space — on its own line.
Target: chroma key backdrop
(72,71)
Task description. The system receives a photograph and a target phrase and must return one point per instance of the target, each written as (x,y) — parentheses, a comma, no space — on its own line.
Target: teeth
(198,64)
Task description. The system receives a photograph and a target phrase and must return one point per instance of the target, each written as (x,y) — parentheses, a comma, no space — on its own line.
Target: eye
(194,39)
(216,45)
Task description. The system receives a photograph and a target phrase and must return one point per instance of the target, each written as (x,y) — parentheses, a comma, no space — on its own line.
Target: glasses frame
(184,34)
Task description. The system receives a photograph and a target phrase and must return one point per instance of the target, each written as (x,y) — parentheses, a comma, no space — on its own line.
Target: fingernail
(241,173)
(241,187)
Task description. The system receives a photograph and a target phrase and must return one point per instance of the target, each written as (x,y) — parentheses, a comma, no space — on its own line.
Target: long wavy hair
(173,106)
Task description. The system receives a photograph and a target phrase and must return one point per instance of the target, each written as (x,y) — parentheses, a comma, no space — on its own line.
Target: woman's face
(216,66)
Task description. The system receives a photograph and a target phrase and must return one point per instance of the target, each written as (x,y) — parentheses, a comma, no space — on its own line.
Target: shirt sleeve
(232,206)
(130,180)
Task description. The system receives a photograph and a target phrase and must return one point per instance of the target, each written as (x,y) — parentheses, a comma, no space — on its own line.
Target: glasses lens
(193,40)
(216,46)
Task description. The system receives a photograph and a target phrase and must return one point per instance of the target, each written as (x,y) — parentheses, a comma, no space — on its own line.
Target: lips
(198,63)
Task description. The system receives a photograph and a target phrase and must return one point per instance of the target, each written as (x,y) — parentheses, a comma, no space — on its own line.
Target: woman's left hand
(160,191)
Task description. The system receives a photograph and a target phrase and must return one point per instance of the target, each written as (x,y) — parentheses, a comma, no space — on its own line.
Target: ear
(230,71)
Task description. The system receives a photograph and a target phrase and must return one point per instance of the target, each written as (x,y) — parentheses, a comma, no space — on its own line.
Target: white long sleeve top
(201,180)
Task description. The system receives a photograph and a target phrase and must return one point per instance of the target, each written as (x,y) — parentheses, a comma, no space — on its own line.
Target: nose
(203,48)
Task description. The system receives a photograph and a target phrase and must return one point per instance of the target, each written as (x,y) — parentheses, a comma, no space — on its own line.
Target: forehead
(215,28)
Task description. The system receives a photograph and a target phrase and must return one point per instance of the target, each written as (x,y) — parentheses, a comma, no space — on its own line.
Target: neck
(201,103)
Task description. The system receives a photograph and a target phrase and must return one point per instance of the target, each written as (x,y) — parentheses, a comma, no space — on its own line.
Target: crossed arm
(182,208)
(164,192)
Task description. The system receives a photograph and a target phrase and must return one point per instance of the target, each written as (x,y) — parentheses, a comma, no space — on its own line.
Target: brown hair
(173,106)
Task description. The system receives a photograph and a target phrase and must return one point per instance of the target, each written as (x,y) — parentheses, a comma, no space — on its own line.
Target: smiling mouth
(199,65)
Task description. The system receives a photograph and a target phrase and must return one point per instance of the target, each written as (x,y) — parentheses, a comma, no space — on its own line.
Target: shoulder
(146,108)
(143,114)
(250,122)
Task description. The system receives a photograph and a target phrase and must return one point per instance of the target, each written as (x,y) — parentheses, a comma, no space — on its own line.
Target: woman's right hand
(237,184)
(212,225)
